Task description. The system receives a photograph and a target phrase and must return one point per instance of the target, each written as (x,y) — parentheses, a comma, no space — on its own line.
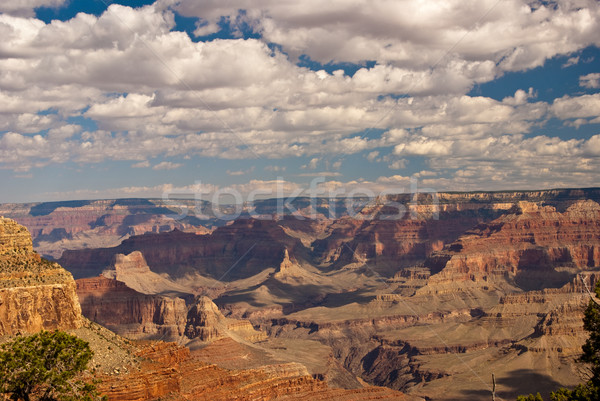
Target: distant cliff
(531,239)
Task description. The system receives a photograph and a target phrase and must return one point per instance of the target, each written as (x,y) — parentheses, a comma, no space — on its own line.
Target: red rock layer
(170,373)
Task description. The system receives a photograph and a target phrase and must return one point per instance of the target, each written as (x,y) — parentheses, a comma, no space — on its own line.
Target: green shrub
(46,366)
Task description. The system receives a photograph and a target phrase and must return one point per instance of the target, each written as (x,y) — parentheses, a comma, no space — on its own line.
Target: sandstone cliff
(477,282)
(56,226)
(35,294)
(130,313)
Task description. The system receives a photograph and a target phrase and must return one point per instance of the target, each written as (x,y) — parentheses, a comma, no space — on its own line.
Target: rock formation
(35,294)
(133,270)
(130,313)
(531,239)
(206,323)
(461,283)
(56,226)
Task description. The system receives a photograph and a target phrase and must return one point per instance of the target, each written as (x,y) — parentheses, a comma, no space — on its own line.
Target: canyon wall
(35,294)
(130,313)
(249,245)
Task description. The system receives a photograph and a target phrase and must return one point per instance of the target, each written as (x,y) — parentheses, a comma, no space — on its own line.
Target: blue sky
(141,98)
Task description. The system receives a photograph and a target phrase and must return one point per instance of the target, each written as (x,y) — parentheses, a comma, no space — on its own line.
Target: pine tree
(46,367)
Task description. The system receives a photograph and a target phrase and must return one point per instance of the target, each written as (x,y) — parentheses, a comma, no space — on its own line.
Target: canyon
(37,294)
(428,294)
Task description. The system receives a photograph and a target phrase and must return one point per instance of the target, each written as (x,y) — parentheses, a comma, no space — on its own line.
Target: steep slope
(431,304)
(35,294)
(56,226)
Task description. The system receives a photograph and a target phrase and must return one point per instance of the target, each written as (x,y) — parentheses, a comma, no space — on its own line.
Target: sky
(110,99)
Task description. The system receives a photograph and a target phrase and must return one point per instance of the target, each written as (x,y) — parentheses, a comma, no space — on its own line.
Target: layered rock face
(402,229)
(530,239)
(130,313)
(385,240)
(35,294)
(58,226)
(487,278)
(136,315)
(170,372)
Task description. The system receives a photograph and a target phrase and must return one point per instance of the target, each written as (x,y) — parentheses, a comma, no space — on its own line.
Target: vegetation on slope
(46,366)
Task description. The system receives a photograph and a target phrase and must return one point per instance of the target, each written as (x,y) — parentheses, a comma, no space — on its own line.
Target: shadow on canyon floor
(517,382)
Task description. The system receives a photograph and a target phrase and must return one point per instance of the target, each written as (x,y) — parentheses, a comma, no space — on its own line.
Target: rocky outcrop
(135,315)
(206,323)
(130,313)
(35,294)
(400,229)
(204,320)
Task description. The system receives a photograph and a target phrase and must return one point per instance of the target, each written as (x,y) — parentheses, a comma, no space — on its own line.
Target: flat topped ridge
(525,210)
(586,206)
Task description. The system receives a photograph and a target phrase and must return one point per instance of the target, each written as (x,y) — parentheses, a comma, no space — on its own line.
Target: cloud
(154,92)
(410,35)
(167,166)
(371,156)
(25,8)
(142,164)
(321,174)
(571,61)
(312,164)
(398,164)
(591,81)
(275,169)
(583,106)
(240,172)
